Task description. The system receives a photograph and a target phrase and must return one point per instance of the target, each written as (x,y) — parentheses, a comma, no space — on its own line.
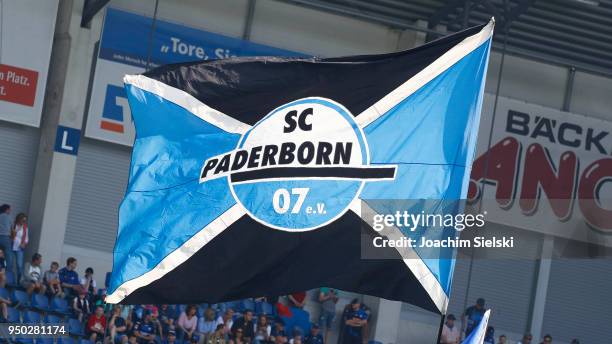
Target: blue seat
(65,340)
(20,299)
(30,317)
(44,341)
(179,309)
(247,304)
(374,342)
(200,311)
(75,328)
(24,341)
(4,294)
(53,319)
(85,341)
(11,281)
(235,305)
(40,302)
(13,315)
(60,306)
(263,308)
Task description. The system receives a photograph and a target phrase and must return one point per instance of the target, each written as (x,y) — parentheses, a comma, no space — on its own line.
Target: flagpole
(466,17)
(440,328)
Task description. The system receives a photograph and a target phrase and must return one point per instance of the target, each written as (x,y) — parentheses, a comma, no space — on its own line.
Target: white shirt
(450,335)
(33,273)
(220,322)
(18,235)
(84,281)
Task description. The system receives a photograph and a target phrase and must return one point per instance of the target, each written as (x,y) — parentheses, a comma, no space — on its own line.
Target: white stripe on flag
(188,102)
(428,73)
(180,255)
(412,260)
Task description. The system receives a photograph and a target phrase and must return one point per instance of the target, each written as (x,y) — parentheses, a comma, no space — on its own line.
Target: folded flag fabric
(249,175)
(477,336)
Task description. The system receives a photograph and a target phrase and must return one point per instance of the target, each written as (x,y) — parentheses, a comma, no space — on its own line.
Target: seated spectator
(547,339)
(166,318)
(52,282)
(132,339)
(2,269)
(450,332)
(187,324)
(354,320)
(227,321)
(238,337)
(4,303)
(314,337)
(262,330)
(32,276)
(156,322)
(145,330)
(278,334)
(88,283)
(206,324)
(297,339)
(80,306)
(118,327)
(280,340)
(503,339)
(246,324)
(69,278)
(217,337)
(298,299)
(96,325)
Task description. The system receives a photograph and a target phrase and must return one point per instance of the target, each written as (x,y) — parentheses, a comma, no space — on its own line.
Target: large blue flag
(251,176)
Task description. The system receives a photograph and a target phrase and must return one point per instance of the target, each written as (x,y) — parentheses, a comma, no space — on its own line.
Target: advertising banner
(25,49)
(547,170)
(125,49)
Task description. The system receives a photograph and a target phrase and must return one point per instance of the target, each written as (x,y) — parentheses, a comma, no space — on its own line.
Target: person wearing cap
(450,332)
(354,320)
(171,337)
(314,337)
(526,339)
(472,316)
(88,283)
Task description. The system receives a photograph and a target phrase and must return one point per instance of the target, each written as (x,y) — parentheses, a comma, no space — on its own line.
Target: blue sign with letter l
(67,140)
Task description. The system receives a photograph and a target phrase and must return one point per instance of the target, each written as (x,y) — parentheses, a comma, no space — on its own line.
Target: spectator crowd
(60,295)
